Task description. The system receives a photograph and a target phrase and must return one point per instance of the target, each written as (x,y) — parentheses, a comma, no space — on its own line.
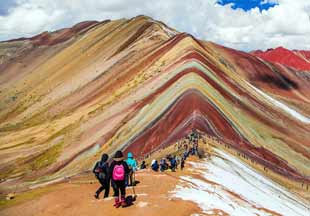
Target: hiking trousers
(119,186)
(105,185)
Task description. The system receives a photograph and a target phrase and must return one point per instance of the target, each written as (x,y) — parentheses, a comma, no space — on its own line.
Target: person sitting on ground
(154,165)
(173,164)
(101,170)
(118,171)
(166,165)
(162,165)
(133,166)
(143,165)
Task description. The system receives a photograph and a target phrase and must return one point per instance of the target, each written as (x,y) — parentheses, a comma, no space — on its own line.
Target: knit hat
(118,156)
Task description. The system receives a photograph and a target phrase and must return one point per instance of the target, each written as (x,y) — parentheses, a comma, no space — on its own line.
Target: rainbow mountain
(138,85)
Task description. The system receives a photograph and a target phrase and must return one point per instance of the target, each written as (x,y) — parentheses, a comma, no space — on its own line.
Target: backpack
(100,170)
(173,162)
(118,172)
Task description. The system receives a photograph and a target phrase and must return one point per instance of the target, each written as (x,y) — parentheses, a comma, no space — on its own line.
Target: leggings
(119,186)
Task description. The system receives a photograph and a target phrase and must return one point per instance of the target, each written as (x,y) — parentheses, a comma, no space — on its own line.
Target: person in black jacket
(143,165)
(173,163)
(182,163)
(118,171)
(101,171)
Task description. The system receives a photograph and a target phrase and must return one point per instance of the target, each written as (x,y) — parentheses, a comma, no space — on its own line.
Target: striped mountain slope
(139,85)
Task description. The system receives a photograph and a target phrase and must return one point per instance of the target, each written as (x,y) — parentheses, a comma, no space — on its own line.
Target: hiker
(191,150)
(132,164)
(143,165)
(194,135)
(182,163)
(195,148)
(185,154)
(178,160)
(168,157)
(166,165)
(154,165)
(173,163)
(101,171)
(185,146)
(163,165)
(118,171)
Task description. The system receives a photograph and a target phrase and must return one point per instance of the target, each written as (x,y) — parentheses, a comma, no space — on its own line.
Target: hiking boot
(117,203)
(123,202)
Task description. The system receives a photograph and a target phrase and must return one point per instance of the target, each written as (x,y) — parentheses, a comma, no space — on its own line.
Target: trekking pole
(133,185)
(133,189)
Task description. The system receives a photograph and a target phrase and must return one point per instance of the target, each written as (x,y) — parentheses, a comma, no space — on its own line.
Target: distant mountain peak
(298,59)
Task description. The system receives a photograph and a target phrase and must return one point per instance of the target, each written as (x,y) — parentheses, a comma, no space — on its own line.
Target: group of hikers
(190,147)
(120,173)
(174,161)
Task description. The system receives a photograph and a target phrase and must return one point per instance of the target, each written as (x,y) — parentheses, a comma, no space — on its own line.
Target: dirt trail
(76,198)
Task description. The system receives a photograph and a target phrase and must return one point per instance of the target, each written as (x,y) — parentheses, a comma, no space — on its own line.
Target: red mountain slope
(299,60)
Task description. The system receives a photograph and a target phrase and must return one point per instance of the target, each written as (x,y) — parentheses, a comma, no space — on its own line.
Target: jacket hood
(129,155)
(104,157)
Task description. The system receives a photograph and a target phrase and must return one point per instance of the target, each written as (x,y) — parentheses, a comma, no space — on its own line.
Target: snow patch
(283,106)
(239,190)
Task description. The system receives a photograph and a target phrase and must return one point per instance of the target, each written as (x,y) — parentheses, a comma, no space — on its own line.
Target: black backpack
(101,170)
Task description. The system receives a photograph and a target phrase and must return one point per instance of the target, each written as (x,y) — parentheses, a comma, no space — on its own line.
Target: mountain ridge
(124,84)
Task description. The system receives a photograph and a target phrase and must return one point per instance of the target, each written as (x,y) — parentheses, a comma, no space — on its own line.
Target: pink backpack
(118,173)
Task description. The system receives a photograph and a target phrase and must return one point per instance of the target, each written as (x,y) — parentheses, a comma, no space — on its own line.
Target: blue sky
(240,24)
(5,5)
(247,5)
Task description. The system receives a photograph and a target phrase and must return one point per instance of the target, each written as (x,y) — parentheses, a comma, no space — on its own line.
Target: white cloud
(269,2)
(286,24)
